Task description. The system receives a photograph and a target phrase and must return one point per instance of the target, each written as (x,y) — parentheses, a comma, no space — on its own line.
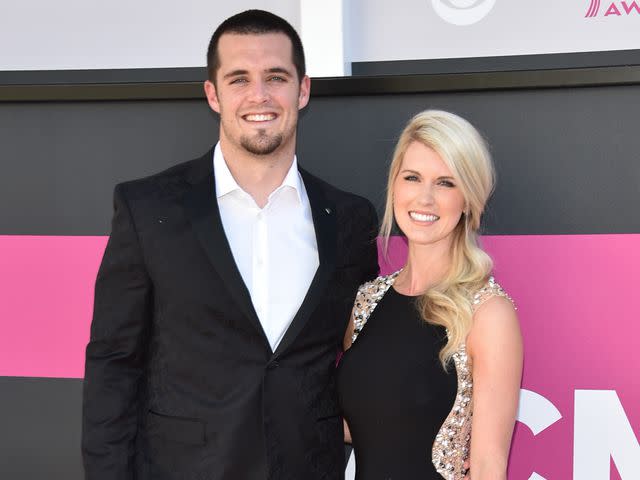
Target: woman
(434,350)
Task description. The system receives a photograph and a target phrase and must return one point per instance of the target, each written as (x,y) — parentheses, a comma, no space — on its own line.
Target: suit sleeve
(370,257)
(115,353)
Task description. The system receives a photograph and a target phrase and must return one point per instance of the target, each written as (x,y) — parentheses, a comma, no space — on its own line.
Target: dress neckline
(393,288)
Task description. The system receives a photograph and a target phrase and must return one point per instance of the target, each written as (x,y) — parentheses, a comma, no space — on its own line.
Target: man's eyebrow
(235,73)
(279,70)
(239,72)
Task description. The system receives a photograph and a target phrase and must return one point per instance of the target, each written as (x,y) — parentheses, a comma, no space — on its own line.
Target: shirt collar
(225,183)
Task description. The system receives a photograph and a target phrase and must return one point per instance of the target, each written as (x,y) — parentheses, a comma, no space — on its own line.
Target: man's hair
(255,22)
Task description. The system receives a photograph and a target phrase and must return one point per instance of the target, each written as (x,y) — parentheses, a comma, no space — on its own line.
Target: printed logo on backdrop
(598,440)
(616,9)
(579,409)
(462,12)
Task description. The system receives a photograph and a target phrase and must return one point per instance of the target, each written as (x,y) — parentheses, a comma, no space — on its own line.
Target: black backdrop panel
(40,428)
(62,160)
(567,158)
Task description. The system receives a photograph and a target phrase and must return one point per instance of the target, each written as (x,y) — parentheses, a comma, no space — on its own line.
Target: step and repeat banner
(427,29)
(80,34)
(561,227)
(76,34)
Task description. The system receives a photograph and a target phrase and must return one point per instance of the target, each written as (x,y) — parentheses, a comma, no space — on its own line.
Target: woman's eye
(446,183)
(411,178)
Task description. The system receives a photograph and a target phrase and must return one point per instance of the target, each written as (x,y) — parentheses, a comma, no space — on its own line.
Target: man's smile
(259,117)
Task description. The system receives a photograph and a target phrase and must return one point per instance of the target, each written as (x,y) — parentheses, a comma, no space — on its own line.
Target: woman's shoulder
(367,298)
(495,321)
(491,289)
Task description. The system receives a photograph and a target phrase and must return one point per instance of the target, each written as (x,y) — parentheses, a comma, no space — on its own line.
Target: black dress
(394,392)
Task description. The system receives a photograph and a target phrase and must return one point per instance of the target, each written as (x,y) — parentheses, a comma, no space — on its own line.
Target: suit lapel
(201,208)
(324,222)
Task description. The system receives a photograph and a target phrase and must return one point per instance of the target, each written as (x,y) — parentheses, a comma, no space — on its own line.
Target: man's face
(257,93)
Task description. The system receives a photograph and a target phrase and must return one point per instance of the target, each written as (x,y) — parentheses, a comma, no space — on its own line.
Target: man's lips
(259,117)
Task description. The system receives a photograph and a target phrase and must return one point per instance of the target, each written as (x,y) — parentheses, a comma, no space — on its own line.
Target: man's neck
(258,175)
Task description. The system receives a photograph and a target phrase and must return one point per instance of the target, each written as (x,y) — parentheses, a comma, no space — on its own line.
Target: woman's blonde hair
(461,147)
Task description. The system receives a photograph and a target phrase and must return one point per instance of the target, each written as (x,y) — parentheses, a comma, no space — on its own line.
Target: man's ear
(305,91)
(212,96)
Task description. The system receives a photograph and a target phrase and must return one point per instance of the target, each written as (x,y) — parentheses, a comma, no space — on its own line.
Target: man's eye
(277,78)
(237,81)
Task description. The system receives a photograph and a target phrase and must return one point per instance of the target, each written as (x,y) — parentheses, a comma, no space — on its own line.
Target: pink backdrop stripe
(46,286)
(576,297)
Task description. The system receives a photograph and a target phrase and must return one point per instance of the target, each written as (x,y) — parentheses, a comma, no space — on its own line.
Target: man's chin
(261,146)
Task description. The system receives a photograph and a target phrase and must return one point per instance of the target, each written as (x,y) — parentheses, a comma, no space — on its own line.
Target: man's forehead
(264,52)
(274,42)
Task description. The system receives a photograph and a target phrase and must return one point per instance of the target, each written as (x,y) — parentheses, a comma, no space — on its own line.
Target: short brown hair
(255,22)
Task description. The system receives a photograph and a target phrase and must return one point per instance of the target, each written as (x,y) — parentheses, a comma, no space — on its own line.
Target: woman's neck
(426,266)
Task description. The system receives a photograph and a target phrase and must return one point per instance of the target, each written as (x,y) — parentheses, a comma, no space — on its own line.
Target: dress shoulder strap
(367,298)
(489,290)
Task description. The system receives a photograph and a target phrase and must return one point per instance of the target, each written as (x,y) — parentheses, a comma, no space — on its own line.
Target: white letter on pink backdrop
(602,431)
(537,413)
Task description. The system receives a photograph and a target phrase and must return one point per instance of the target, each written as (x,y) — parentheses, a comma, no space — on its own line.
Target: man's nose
(259,92)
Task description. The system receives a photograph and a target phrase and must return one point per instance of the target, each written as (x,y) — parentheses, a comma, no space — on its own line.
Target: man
(225,290)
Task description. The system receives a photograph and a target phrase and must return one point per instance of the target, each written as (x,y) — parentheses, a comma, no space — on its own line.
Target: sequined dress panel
(409,418)
(394,392)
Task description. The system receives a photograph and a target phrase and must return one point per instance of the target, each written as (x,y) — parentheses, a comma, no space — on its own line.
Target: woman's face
(427,201)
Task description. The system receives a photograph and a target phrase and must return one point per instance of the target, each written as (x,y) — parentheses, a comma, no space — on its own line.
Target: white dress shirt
(274,248)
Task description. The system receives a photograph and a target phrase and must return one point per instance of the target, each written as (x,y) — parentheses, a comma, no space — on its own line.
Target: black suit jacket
(180,380)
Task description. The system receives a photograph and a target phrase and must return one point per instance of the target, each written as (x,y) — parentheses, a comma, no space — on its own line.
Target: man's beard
(261,144)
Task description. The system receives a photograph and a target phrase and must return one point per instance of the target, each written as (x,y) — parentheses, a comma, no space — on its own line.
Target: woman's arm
(348,334)
(495,348)
(347,432)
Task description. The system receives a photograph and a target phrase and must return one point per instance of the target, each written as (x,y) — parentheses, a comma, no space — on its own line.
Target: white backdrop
(421,29)
(95,34)
(91,34)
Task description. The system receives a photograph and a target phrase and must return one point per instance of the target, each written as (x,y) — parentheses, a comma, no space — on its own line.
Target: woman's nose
(426,196)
